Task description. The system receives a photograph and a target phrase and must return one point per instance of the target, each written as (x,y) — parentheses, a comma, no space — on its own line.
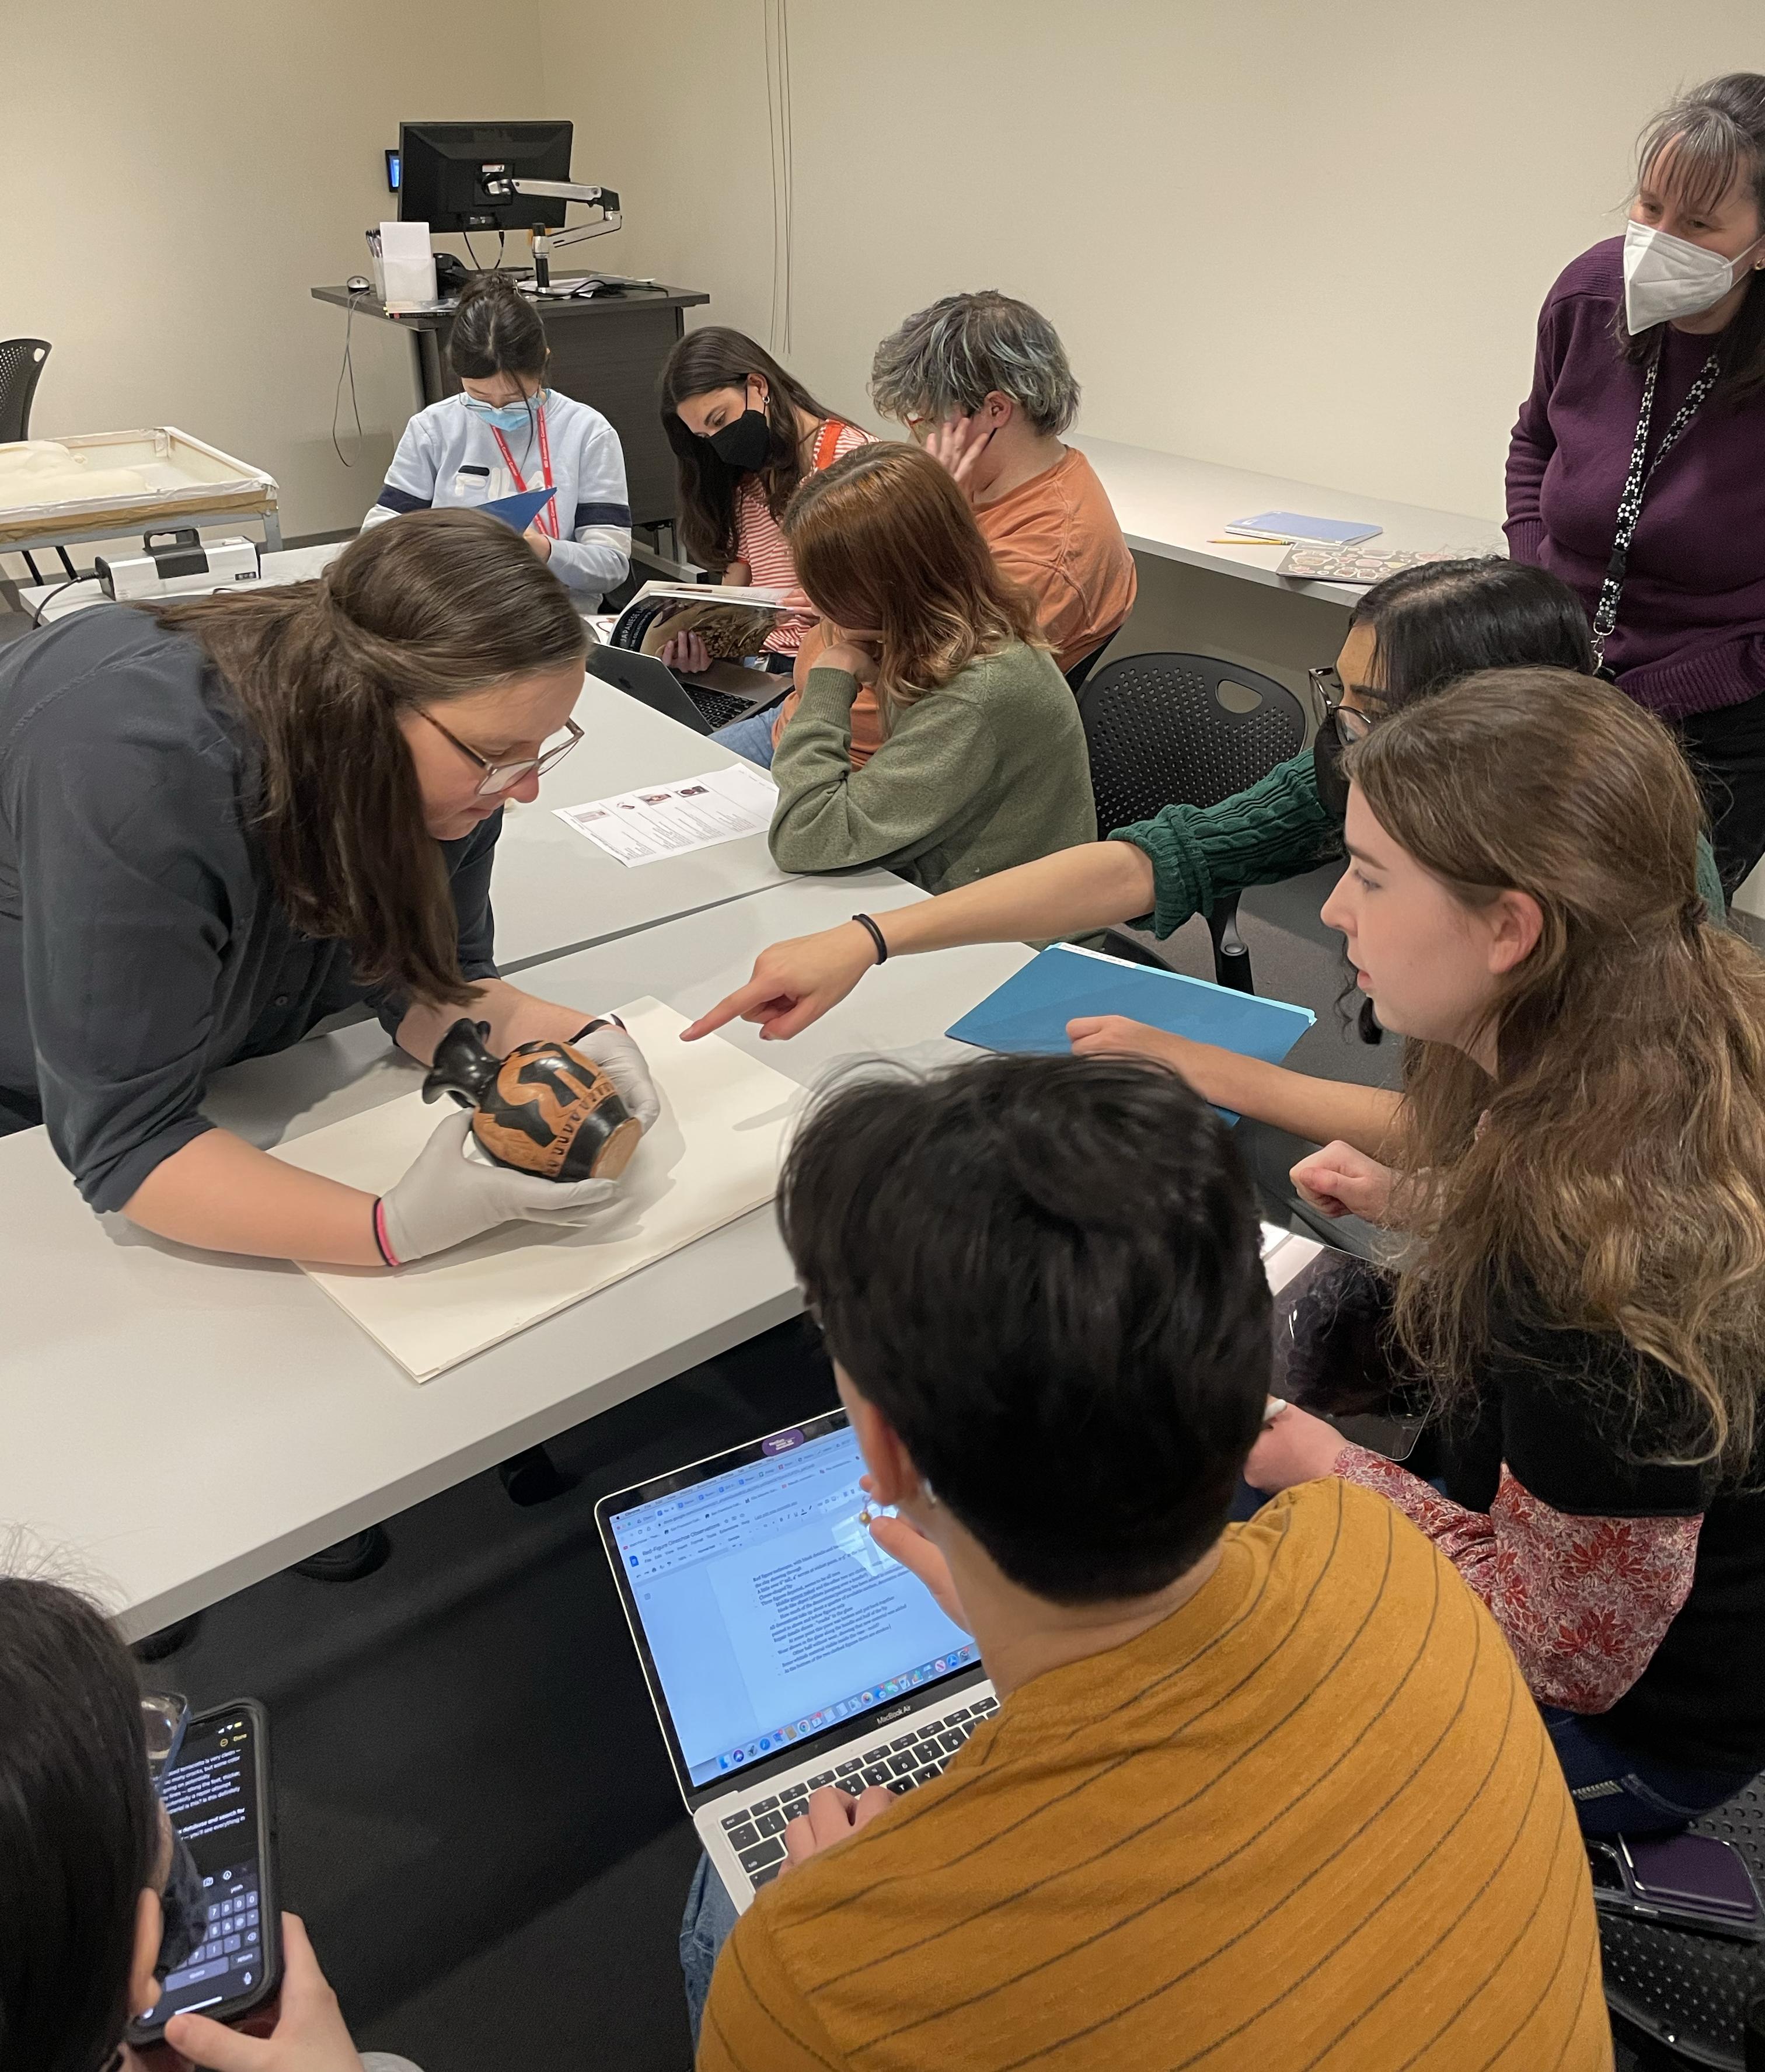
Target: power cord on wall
(348,369)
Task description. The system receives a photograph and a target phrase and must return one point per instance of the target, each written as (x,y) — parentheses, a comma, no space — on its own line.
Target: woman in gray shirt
(224,818)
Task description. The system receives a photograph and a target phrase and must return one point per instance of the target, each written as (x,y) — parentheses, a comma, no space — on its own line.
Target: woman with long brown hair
(983,762)
(1578,1165)
(746,431)
(223,819)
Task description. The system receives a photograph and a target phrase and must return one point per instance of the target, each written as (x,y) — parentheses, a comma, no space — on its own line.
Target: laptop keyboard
(718,707)
(756,1832)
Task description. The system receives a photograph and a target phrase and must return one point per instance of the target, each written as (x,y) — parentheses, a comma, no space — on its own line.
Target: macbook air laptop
(703,708)
(783,1649)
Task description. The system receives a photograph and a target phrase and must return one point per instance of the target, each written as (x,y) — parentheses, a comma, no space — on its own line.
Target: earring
(931,1495)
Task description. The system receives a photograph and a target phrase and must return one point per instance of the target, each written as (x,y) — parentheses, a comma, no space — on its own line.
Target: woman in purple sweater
(1636,471)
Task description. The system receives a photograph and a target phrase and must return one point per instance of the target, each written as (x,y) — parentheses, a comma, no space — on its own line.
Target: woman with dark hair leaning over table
(223,820)
(1637,467)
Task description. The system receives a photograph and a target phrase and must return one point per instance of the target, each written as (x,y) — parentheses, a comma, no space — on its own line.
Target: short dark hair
(78,1828)
(1045,1272)
(496,331)
(1438,621)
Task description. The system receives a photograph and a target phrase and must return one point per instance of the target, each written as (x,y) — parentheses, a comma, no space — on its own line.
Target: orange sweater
(1311,1819)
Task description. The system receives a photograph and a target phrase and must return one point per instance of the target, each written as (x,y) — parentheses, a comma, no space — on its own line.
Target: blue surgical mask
(506,417)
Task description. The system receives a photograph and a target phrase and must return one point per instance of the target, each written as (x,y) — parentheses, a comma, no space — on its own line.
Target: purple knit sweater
(1691,623)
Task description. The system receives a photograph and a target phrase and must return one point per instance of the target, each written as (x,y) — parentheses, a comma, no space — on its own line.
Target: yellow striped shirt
(1313,1818)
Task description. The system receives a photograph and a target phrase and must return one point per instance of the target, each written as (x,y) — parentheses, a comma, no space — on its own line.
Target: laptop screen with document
(765,1613)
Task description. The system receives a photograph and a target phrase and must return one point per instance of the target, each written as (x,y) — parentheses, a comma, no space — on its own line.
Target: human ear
(1515,922)
(996,408)
(893,1477)
(757,381)
(149,1929)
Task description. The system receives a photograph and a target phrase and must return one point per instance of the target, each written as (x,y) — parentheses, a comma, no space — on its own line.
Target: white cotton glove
(622,1062)
(449,1196)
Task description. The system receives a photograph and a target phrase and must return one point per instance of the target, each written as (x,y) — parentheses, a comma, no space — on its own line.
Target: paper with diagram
(712,1156)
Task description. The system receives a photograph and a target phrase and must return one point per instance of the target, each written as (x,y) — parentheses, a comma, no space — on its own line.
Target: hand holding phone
(309,2037)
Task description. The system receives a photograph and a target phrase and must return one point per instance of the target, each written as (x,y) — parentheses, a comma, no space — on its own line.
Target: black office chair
(1189,729)
(21,368)
(1082,667)
(1678,1998)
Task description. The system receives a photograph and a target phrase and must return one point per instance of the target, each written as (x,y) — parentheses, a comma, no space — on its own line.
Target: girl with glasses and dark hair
(86,1854)
(283,804)
(508,430)
(1636,471)
(1408,637)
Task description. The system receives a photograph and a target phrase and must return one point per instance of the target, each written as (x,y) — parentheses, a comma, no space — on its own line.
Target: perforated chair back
(1160,732)
(21,368)
(1687,1993)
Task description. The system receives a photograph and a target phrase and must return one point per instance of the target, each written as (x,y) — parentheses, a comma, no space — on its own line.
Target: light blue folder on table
(1030,1011)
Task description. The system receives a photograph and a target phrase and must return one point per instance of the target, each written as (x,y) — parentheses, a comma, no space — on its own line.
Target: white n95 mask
(1667,277)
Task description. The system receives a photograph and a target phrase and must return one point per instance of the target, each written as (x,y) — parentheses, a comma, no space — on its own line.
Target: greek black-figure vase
(546,1108)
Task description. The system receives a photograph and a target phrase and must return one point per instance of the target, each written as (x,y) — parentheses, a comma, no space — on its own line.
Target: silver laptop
(783,1649)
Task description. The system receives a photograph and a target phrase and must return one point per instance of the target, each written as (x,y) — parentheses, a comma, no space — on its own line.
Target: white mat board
(712,1156)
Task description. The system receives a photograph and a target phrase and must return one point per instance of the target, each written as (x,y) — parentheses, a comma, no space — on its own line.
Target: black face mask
(184,1909)
(744,442)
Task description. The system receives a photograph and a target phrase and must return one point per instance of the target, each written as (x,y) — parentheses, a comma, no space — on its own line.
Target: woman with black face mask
(97,1903)
(745,433)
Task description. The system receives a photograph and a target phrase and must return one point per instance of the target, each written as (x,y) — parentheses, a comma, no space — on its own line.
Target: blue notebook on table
(519,511)
(1030,1011)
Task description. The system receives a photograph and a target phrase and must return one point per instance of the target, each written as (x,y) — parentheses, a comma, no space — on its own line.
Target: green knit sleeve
(1200,854)
(1709,882)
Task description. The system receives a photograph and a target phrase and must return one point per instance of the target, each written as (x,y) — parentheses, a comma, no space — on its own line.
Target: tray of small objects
(1355,564)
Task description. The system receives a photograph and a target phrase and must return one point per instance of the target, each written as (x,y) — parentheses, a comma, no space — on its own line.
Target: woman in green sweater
(1409,636)
(982,765)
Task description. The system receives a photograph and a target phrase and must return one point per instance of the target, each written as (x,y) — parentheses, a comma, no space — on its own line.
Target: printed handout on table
(659,820)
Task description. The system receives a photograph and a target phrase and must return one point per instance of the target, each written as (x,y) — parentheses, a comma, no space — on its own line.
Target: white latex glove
(622,1062)
(447,1196)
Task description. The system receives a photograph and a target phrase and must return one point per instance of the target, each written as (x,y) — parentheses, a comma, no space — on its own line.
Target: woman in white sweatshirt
(506,432)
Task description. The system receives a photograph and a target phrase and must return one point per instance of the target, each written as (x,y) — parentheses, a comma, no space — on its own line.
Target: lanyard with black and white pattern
(1630,504)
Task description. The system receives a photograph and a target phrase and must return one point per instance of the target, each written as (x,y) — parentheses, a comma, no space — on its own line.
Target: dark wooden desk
(607,351)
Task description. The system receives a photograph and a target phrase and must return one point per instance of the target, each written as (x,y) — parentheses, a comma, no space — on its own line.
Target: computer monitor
(446,171)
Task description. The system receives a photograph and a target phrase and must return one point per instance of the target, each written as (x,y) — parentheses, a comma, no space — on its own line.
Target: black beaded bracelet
(875,935)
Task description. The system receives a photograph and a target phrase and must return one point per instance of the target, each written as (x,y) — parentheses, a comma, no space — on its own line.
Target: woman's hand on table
(794,983)
(1339,1181)
(1294,1447)
(1206,1066)
(688,653)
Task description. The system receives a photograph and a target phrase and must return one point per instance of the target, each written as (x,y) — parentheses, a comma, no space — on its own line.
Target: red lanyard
(548,519)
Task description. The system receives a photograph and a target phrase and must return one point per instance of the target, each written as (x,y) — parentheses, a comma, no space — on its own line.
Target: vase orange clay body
(546,1108)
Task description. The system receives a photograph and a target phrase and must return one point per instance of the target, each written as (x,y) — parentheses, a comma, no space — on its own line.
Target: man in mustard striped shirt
(1258,1796)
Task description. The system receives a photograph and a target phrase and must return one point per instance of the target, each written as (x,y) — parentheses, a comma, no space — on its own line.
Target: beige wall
(1307,238)
(176,178)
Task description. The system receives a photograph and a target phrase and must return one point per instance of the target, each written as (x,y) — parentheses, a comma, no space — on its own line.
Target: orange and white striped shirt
(760,539)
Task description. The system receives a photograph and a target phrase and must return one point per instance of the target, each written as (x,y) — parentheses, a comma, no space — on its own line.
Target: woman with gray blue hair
(982,382)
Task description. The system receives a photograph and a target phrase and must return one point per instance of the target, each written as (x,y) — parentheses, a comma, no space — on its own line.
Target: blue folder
(1030,1011)
(520,511)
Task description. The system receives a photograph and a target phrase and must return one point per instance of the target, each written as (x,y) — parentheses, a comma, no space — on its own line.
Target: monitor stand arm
(546,242)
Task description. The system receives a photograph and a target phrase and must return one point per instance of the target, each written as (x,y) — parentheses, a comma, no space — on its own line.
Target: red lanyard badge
(548,519)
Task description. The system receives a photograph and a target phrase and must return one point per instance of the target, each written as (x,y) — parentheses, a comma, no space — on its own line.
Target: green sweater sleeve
(832,817)
(1200,854)
(1709,882)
